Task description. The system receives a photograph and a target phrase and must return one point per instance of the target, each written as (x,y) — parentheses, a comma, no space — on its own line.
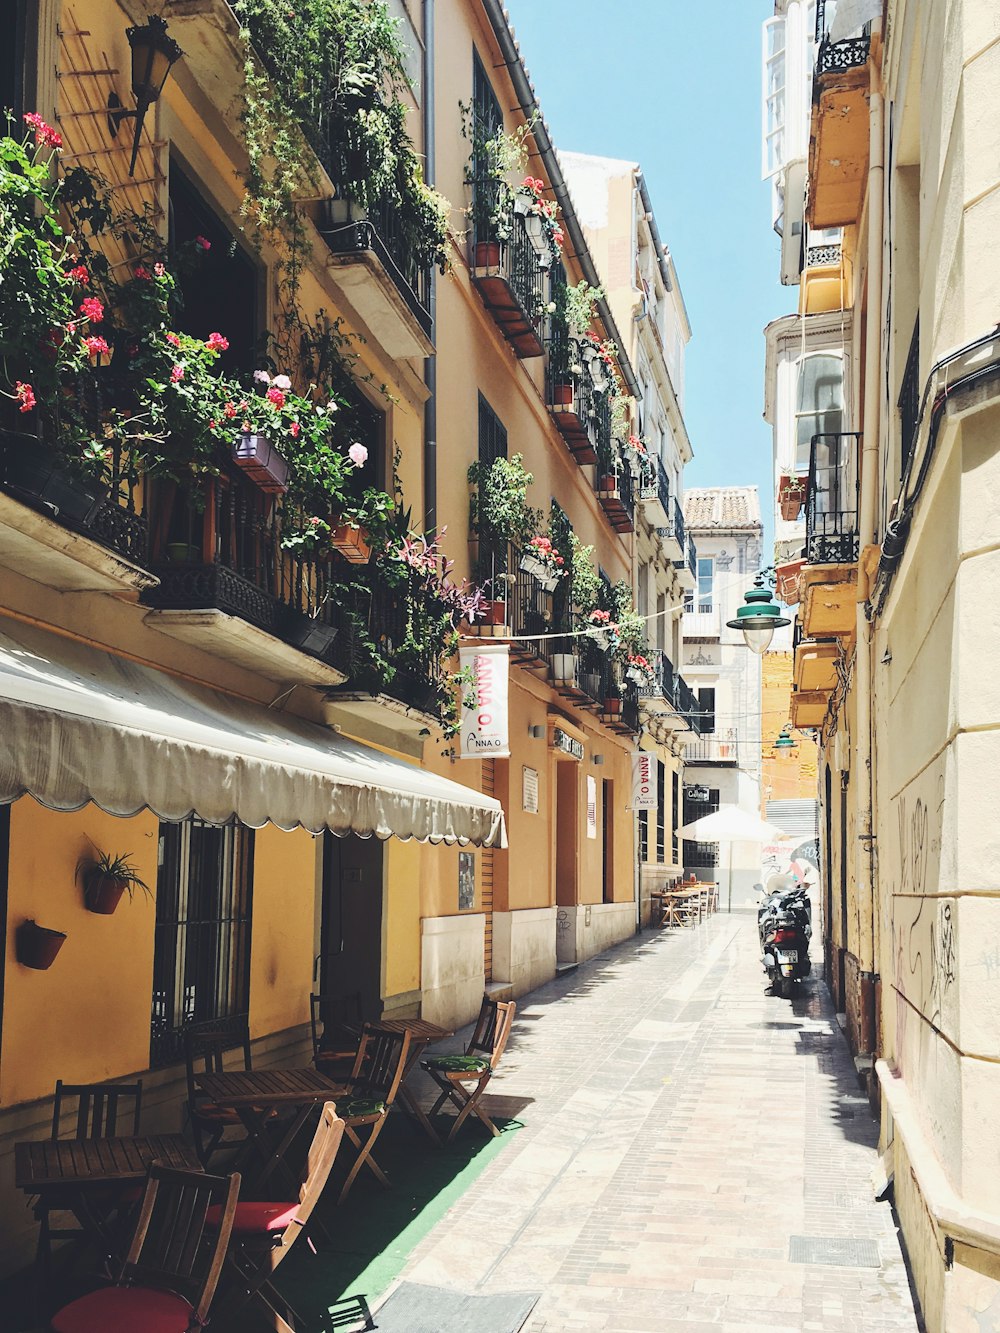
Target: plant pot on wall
(102,893)
(352,543)
(37,946)
(564,668)
(31,468)
(496,613)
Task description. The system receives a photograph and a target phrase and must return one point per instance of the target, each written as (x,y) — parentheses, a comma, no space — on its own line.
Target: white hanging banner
(591,807)
(485,732)
(644,781)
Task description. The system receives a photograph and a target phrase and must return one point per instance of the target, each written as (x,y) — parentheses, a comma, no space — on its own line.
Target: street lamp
(153,53)
(758,618)
(784,746)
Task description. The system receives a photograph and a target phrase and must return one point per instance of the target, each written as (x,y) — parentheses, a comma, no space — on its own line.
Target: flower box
(607,484)
(32,469)
(792,489)
(266,467)
(531,564)
(590,683)
(351,542)
(787,581)
(36,946)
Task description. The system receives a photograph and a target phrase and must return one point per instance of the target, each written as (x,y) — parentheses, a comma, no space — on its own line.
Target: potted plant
(601,629)
(350,540)
(564,668)
(36,946)
(612,705)
(640,671)
(106,878)
(792,487)
(499,513)
(543,562)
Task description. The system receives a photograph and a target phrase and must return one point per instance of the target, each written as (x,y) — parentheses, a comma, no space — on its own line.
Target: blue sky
(655,82)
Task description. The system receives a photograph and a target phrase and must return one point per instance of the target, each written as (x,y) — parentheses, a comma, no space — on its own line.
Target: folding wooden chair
(264,1233)
(374,1082)
(169,1277)
(476,1066)
(336,1024)
(205,1048)
(97,1117)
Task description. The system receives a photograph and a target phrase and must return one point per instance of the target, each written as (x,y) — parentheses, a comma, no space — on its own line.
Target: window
(643,835)
(201,955)
(643,584)
(412,45)
(706,576)
(820,402)
(661,622)
(487,118)
(661,814)
(700,855)
(706,706)
(773,115)
(608,830)
(492,434)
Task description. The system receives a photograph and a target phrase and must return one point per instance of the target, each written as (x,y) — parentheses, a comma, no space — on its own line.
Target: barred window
(201,957)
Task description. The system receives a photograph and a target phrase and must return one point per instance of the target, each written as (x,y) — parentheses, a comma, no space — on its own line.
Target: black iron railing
(384,232)
(832,501)
(594,671)
(689,705)
(909,399)
(662,487)
(835,57)
(662,685)
(503,243)
(692,557)
(630,708)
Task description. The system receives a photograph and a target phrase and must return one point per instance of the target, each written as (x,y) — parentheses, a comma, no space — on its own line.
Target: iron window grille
(832,535)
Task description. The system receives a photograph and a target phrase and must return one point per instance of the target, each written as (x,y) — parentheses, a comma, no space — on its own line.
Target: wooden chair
(97,1117)
(336,1022)
(477,1066)
(264,1233)
(170,1274)
(205,1047)
(378,1069)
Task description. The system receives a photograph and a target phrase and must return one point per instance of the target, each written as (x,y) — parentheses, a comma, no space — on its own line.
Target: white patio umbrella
(730,823)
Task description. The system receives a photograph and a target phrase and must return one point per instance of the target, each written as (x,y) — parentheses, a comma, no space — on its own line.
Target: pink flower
(600,617)
(160,270)
(142,272)
(80,275)
(282,382)
(91,308)
(295,428)
(216,343)
(358,455)
(177,374)
(262,377)
(276,397)
(212,425)
(172,339)
(96,346)
(229,411)
(203,243)
(44,134)
(26,396)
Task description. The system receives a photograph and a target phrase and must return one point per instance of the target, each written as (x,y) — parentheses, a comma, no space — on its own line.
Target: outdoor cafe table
(678,904)
(70,1170)
(253,1093)
(422,1034)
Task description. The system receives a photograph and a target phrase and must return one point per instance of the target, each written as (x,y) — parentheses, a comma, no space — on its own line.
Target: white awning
(79,724)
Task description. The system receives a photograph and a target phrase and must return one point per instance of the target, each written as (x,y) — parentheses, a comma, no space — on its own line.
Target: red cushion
(125,1310)
(255,1219)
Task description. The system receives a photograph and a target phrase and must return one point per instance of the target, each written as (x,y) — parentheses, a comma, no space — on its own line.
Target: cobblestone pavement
(681,1127)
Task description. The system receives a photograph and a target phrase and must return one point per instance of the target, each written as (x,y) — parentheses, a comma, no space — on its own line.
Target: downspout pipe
(865,860)
(661,257)
(528,106)
(430,362)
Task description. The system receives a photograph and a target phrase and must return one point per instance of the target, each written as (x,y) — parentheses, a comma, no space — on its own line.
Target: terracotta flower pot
(562,395)
(265,465)
(613,706)
(352,543)
(608,482)
(37,946)
(496,613)
(488,254)
(102,894)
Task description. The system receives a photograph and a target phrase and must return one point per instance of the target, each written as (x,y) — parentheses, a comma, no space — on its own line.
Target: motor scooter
(784,924)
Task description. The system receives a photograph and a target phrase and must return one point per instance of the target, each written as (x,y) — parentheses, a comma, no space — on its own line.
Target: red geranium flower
(91,308)
(96,346)
(295,428)
(229,410)
(142,272)
(216,343)
(203,242)
(44,134)
(80,275)
(26,396)
(276,397)
(172,339)
(177,374)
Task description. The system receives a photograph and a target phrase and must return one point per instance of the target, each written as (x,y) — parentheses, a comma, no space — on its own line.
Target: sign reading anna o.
(643,781)
(484,702)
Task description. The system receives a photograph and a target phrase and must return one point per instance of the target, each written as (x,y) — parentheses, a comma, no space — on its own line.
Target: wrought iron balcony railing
(909,398)
(832,501)
(507,270)
(714,748)
(835,57)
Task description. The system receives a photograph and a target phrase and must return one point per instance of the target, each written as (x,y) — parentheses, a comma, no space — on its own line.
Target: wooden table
(679,905)
(422,1034)
(252,1093)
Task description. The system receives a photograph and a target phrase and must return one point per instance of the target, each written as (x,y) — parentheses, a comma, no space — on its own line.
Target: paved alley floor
(683,1132)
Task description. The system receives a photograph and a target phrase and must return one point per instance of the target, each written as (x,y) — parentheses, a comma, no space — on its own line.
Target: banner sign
(591,807)
(644,781)
(484,701)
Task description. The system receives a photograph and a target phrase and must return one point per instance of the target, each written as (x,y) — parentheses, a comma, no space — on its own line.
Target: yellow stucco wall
(783,778)
(282,939)
(87,1017)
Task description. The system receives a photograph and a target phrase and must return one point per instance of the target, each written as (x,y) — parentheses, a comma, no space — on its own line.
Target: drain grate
(838,1251)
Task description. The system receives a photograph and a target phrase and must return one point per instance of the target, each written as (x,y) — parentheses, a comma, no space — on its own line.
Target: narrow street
(686,1139)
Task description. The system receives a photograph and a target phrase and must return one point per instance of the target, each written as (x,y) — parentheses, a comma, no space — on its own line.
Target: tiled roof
(722,507)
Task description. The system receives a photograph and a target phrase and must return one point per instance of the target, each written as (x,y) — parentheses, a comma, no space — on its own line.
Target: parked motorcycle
(784,923)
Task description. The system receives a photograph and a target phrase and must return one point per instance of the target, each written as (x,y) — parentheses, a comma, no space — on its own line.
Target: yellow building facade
(449,369)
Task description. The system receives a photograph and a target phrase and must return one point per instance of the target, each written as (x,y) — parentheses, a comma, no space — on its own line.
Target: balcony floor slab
(245,645)
(42,549)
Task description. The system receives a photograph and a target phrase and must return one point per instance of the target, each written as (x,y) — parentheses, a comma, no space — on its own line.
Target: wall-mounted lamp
(784,746)
(599,760)
(153,53)
(537,733)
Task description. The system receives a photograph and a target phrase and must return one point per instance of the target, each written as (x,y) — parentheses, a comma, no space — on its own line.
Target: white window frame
(774,95)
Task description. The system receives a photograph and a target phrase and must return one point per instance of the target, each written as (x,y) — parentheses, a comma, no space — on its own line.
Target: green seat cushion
(350,1107)
(458,1064)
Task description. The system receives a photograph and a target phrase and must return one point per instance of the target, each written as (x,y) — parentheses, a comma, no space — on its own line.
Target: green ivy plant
(499,509)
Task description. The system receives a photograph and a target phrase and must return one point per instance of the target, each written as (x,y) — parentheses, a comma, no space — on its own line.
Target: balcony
(613,479)
(669,701)
(373,264)
(654,494)
(828,579)
(67,532)
(701,622)
(824,283)
(226,586)
(570,396)
(838,147)
(815,666)
(508,275)
(719,748)
(687,568)
(674,534)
